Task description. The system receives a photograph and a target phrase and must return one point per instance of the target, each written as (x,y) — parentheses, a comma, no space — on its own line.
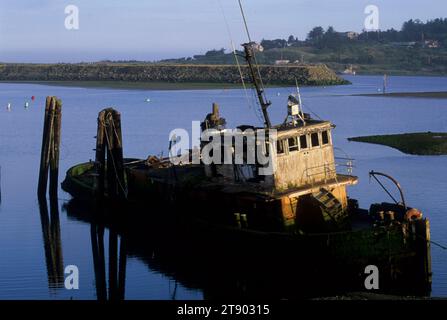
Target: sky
(35,30)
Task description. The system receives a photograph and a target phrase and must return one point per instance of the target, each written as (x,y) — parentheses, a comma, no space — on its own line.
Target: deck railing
(328,171)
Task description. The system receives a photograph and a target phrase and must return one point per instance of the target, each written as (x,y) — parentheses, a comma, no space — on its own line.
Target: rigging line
(437,244)
(250,102)
(312,112)
(433,242)
(258,110)
(233,47)
(245,20)
(254,53)
(316,115)
(386,190)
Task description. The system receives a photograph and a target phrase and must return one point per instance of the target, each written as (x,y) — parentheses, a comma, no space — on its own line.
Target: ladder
(331,208)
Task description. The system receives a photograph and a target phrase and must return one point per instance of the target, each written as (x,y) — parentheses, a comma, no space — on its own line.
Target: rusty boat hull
(205,215)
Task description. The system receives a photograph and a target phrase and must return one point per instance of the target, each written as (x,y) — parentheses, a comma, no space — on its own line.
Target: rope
(433,242)
(439,245)
(125,191)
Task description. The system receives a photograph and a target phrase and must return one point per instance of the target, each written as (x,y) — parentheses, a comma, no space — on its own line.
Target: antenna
(250,49)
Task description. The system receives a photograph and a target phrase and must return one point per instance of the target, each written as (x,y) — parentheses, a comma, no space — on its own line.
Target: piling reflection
(117,259)
(51,234)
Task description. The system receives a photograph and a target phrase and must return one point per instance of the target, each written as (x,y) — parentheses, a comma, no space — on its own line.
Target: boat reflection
(228,270)
(219,272)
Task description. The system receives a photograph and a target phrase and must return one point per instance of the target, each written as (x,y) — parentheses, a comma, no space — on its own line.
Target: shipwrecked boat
(293,204)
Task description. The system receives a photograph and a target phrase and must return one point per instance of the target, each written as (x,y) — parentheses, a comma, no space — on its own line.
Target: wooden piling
(118,160)
(49,157)
(100,156)
(55,147)
(109,155)
(43,172)
(111,166)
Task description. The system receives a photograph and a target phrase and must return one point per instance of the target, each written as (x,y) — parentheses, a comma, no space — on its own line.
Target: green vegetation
(424,143)
(419,48)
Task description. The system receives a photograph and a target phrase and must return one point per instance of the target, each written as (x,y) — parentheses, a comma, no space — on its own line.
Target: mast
(256,79)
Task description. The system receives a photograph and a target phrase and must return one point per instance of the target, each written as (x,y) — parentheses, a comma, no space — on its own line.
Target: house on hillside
(351,35)
(281,62)
(432,44)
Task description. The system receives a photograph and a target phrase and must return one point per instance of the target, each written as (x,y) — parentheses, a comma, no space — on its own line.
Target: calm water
(23,267)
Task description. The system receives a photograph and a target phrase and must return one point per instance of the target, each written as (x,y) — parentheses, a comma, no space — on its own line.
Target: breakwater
(272,75)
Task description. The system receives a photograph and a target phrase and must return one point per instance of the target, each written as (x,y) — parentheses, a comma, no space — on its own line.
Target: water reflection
(51,234)
(117,260)
(218,270)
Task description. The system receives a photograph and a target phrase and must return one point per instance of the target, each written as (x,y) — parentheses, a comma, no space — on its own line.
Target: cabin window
(325,137)
(314,139)
(293,144)
(280,146)
(303,142)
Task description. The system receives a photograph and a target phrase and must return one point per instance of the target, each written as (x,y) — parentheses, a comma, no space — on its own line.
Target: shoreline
(124,85)
(424,94)
(417,143)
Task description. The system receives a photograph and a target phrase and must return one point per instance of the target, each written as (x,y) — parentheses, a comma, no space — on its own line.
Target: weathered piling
(109,160)
(49,158)
(100,156)
(55,148)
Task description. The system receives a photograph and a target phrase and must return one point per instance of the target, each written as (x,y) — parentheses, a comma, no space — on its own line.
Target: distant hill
(418,48)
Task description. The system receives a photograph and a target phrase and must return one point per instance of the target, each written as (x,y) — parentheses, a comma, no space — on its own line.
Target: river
(24,269)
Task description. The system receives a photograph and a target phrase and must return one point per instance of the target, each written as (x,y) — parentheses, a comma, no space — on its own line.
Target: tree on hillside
(315,35)
(213,53)
(274,44)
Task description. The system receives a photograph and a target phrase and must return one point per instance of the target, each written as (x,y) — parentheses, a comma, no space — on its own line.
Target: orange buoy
(413,214)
